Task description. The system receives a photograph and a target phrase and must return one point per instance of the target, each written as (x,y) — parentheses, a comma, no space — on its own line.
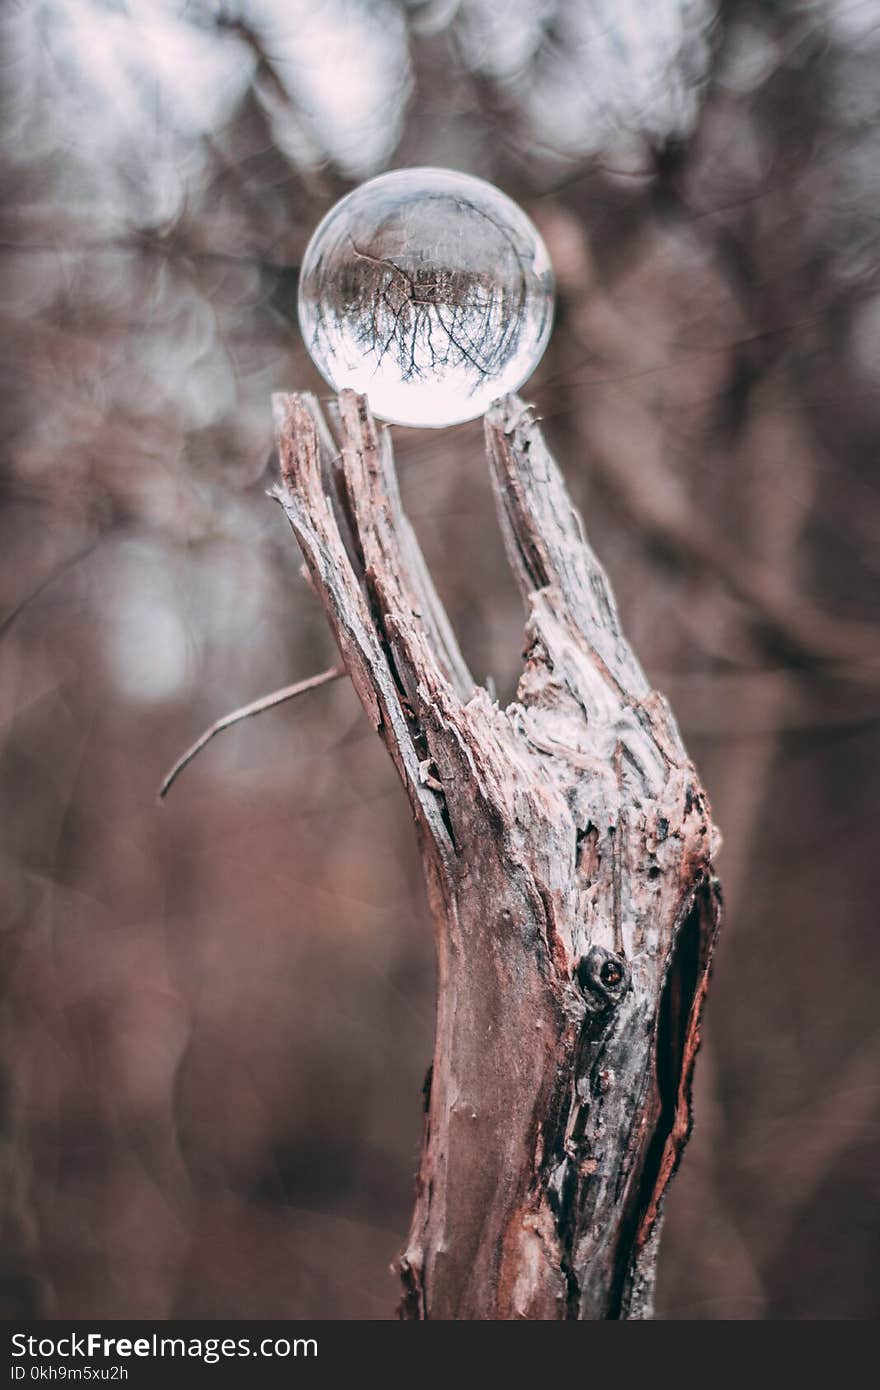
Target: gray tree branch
(567,847)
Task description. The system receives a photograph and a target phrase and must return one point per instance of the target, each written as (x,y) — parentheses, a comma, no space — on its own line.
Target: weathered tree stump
(567,848)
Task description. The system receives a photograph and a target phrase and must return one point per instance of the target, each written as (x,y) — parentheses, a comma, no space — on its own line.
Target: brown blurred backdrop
(216,1014)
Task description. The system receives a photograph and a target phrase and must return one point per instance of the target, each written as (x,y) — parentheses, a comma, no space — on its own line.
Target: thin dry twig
(277,697)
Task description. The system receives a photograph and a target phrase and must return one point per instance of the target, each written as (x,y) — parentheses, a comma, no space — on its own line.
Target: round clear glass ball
(429,291)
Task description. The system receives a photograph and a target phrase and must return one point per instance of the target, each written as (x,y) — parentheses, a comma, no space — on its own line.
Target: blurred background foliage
(216,1014)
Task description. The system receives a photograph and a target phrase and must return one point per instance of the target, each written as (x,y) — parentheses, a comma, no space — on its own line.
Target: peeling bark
(567,848)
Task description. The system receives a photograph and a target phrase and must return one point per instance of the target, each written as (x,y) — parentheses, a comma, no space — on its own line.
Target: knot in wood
(604,978)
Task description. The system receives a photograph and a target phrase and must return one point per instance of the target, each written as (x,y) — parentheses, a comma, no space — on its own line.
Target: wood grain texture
(567,848)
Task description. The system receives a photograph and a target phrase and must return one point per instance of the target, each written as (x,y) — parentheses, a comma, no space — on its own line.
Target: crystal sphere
(430,292)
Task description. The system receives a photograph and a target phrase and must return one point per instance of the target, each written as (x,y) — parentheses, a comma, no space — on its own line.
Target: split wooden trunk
(567,848)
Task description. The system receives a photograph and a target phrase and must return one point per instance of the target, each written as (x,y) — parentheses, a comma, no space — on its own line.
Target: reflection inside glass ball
(429,291)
